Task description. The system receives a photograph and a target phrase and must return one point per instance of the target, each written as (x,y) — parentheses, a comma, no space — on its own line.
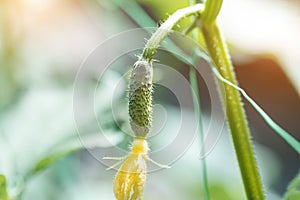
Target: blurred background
(43,43)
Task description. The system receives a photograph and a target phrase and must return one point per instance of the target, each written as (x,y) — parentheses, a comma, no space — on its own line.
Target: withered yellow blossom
(130,179)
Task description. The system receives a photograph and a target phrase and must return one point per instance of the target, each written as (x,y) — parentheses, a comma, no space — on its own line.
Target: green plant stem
(211,11)
(235,113)
(165,28)
(197,107)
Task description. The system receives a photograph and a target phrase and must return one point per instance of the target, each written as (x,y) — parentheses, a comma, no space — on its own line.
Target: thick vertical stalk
(234,108)
(235,113)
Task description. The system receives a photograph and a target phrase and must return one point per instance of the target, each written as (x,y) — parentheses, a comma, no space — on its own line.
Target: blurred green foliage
(3,191)
(293,191)
(9,57)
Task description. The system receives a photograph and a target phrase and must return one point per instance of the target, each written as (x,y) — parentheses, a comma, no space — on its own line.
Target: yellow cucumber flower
(130,179)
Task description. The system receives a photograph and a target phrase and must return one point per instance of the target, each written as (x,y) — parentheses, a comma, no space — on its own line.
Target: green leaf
(280,131)
(3,190)
(49,160)
(73,145)
(293,191)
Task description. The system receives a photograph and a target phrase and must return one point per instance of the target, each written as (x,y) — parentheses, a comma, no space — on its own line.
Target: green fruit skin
(140,98)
